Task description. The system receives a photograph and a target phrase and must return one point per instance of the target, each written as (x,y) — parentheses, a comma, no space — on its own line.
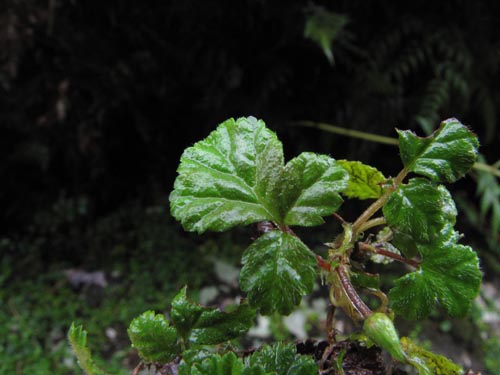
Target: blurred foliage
(146,260)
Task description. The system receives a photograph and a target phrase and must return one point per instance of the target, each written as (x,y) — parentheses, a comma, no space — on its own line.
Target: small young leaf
(78,339)
(230,178)
(282,359)
(310,189)
(185,314)
(365,182)
(206,325)
(448,275)
(278,269)
(419,209)
(444,156)
(153,338)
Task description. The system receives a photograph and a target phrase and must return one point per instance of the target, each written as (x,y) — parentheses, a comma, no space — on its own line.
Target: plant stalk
(365,247)
(353,296)
(378,204)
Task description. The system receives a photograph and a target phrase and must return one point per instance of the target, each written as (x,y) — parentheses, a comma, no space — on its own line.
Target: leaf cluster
(237,176)
(192,325)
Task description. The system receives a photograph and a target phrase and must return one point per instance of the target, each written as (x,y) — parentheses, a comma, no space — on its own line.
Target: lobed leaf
(230,178)
(420,210)
(449,275)
(282,359)
(365,182)
(206,325)
(310,189)
(444,156)
(153,338)
(278,269)
(78,339)
(228,364)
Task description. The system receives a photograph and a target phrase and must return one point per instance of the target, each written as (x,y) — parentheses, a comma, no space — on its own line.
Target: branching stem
(372,223)
(378,204)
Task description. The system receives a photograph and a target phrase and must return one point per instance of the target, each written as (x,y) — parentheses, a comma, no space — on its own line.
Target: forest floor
(143,268)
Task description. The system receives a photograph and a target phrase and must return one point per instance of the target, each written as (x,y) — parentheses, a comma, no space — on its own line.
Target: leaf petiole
(378,204)
(366,247)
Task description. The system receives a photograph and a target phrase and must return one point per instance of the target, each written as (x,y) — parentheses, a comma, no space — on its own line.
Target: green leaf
(153,338)
(230,178)
(228,364)
(446,155)
(404,243)
(419,209)
(310,189)
(282,359)
(78,339)
(206,325)
(449,275)
(365,182)
(362,279)
(278,269)
(323,27)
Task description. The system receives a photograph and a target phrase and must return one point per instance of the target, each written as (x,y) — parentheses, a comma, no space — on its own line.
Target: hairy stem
(372,223)
(353,296)
(365,247)
(378,204)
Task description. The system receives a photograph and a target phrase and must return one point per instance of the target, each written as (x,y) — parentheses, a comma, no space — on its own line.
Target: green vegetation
(98,101)
(237,176)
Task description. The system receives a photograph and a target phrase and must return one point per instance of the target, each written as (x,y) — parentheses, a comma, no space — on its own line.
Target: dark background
(98,99)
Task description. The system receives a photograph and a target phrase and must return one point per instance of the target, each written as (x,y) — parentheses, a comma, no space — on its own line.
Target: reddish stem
(323,264)
(389,254)
(351,293)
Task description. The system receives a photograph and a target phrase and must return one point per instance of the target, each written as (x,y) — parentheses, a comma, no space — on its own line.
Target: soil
(357,359)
